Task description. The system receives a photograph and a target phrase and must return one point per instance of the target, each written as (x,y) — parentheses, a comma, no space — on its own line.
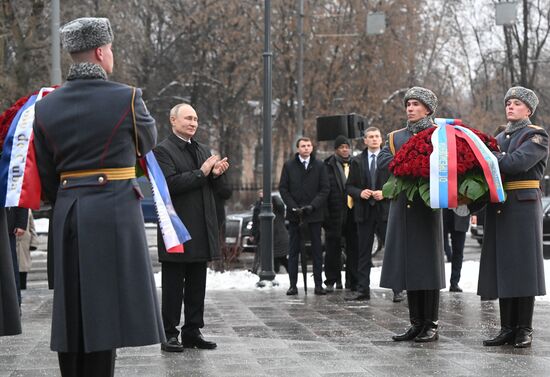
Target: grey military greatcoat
(10,318)
(413,256)
(87,124)
(511,263)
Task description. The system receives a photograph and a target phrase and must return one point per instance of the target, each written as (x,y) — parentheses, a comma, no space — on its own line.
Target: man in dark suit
(364,184)
(456,227)
(304,188)
(87,135)
(339,221)
(193,176)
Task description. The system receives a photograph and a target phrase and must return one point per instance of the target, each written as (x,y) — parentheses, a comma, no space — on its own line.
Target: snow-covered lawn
(243,280)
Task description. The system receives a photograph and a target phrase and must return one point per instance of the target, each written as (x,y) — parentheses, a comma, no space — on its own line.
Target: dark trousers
(183,283)
(456,252)
(79,363)
(517,312)
(366,232)
(333,259)
(352,250)
(296,236)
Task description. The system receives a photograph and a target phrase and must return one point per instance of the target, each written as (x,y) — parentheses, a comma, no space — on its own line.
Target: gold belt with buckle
(518,185)
(112,174)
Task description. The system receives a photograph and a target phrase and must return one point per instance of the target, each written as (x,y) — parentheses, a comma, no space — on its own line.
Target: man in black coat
(456,227)
(193,176)
(87,136)
(364,184)
(339,221)
(304,188)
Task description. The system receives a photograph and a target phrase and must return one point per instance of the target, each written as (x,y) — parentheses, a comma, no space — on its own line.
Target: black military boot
(415,316)
(507,324)
(431,314)
(524,332)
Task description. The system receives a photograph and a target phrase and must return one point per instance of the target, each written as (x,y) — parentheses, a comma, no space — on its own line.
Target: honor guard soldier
(87,136)
(511,265)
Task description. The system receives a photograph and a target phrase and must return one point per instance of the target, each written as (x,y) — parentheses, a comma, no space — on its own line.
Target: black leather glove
(307,209)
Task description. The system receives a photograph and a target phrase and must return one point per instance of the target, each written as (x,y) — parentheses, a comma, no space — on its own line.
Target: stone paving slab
(266,333)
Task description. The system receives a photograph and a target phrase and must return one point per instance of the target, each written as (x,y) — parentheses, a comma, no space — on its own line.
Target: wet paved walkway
(265,333)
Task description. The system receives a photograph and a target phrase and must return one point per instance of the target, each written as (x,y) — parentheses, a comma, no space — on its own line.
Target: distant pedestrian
(511,266)
(455,228)
(339,222)
(413,258)
(24,244)
(364,185)
(304,188)
(280,234)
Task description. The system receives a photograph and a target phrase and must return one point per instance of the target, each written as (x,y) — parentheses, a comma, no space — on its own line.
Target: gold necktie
(346,173)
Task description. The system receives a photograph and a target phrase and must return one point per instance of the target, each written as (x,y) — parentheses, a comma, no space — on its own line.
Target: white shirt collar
(302,159)
(374,153)
(182,138)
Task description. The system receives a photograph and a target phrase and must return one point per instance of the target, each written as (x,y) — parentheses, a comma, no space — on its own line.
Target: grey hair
(175,109)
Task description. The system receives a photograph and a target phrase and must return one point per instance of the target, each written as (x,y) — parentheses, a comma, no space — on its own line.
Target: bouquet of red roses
(412,171)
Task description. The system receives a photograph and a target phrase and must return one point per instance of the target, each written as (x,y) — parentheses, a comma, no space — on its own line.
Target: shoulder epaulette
(535,127)
(390,140)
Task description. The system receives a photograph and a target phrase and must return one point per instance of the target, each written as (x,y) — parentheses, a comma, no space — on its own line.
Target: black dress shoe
(411,333)
(292,291)
(339,285)
(524,337)
(172,345)
(197,341)
(455,288)
(428,334)
(505,336)
(320,291)
(329,288)
(358,296)
(398,297)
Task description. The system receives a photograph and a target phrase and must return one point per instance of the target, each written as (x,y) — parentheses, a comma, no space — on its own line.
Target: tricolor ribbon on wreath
(20,181)
(443,164)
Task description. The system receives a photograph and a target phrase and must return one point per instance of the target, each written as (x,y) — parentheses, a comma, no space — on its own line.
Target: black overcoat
(511,263)
(413,256)
(88,124)
(300,187)
(10,319)
(193,198)
(358,181)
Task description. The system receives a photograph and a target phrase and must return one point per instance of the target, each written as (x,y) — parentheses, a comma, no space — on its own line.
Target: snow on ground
(245,280)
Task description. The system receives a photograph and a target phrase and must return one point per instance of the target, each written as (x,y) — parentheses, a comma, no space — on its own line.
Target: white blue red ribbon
(443,164)
(174,232)
(443,167)
(19,179)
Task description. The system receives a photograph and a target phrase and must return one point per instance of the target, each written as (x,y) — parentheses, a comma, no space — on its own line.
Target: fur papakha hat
(426,96)
(527,96)
(86,33)
(341,139)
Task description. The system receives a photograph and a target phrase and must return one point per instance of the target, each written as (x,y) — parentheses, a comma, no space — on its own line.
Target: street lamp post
(267,275)
(300,117)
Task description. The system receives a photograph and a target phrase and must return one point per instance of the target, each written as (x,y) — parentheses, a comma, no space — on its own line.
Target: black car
(147,203)
(238,230)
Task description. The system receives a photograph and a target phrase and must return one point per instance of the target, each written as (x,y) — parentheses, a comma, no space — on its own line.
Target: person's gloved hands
(307,209)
